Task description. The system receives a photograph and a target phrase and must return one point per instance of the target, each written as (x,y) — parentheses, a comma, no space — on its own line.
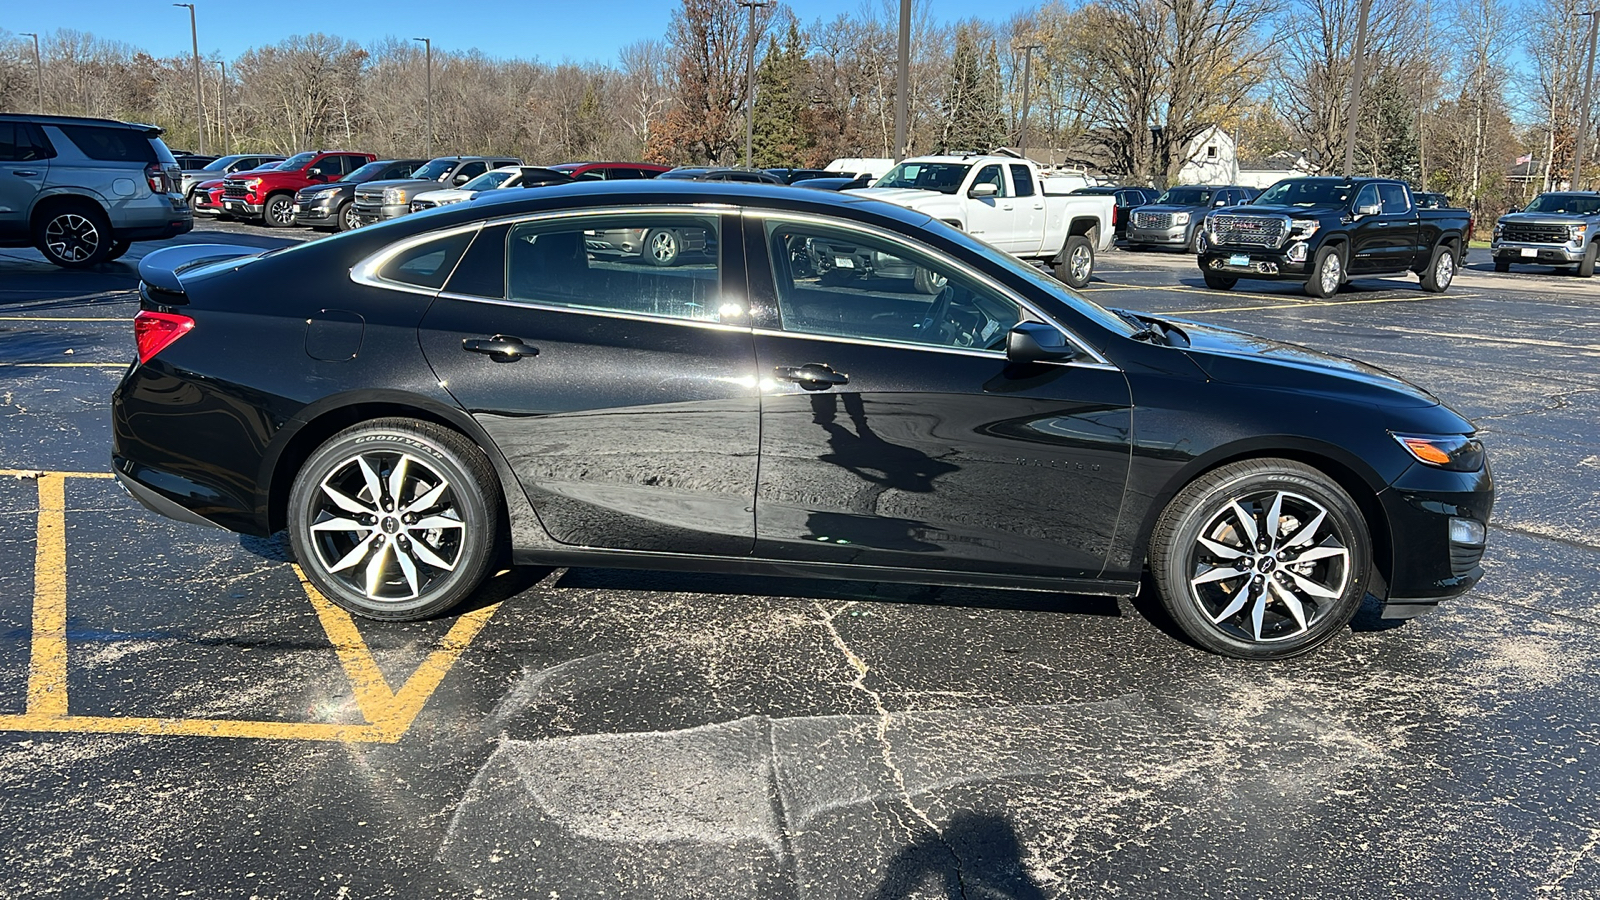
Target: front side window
(837,282)
(1367,197)
(471,170)
(641,264)
(992,175)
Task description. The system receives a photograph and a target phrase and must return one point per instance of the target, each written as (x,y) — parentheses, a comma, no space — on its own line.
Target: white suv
(82,190)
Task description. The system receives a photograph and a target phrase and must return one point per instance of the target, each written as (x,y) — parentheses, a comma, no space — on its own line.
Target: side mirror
(1371,209)
(1220,203)
(983,190)
(1032,342)
(461,179)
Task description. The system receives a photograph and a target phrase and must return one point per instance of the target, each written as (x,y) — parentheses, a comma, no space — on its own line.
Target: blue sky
(549,30)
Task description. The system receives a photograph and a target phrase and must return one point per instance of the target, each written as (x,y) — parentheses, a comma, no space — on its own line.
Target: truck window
(110,144)
(1394,199)
(992,175)
(1022,178)
(1368,197)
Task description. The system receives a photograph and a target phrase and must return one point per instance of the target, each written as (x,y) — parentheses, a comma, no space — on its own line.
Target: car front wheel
(1327,273)
(346,217)
(279,211)
(1261,559)
(662,247)
(395,519)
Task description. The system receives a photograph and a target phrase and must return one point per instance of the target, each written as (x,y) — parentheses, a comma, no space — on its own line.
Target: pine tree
(780,101)
(972,115)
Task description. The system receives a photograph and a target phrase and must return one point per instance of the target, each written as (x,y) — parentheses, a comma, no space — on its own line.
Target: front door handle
(813,375)
(501,347)
(24,173)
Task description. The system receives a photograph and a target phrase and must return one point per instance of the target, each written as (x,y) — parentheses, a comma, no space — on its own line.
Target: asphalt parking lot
(180,715)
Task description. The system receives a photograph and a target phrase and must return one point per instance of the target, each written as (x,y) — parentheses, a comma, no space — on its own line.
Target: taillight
(1116,215)
(157,176)
(154,331)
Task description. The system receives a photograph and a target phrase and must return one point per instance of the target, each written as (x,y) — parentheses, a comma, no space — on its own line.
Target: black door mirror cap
(1032,342)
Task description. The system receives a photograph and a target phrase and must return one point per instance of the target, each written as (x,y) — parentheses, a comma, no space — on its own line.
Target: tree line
(1454,91)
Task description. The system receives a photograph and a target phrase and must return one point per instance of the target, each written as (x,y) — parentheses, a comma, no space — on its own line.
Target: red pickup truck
(269,195)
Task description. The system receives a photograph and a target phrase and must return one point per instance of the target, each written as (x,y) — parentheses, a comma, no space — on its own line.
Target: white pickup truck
(1009,203)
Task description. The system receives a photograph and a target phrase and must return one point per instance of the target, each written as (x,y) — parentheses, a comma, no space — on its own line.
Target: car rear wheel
(1075,265)
(74,237)
(1261,559)
(279,211)
(662,247)
(1327,273)
(395,519)
(1217,281)
(928,282)
(345,219)
(1441,270)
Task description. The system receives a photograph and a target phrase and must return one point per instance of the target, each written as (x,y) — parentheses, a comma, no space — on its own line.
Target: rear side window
(110,144)
(653,265)
(1022,179)
(428,264)
(1394,199)
(22,142)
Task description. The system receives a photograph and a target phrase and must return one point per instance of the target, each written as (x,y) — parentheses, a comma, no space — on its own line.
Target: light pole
(1355,90)
(222,94)
(199,104)
(38,69)
(902,81)
(1027,83)
(427,44)
(1588,98)
(750,79)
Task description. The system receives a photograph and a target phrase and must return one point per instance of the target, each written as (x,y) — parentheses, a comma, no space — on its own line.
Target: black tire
(1136,248)
(927,282)
(662,247)
(1586,268)
(74,236)
(1327,273)
(344,218)
(1219,281)
(1217,582)
(1074,266)
(278,212)
(1441,270)
(1197,240)
(387,573)
(1502,265)
(194,202)
(118,248)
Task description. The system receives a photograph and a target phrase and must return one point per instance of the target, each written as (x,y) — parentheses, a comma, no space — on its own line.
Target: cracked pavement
(673,735)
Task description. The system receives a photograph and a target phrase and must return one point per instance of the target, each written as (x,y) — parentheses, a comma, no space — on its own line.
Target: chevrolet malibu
(411,401)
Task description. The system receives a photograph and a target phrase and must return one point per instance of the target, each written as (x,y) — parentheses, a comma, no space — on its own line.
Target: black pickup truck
(1324,231)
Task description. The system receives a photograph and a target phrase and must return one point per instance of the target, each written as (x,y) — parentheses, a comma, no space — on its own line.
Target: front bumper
(244,208)
(1519,251)
(1427,566)
(367,214)
(1175,236)
(317,213)
(1256,262)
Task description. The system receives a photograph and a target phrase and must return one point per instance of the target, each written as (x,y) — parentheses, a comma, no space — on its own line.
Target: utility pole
(1027,84)
(38,69)
(199,102)
(427,44)
(1588,99)
(902,113)
(750,78)
(222,94)
(1356,72)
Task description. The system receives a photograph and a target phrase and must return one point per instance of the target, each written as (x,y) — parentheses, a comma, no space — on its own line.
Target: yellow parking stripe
(66,318)
(72,365)
(222,728)
(47,663)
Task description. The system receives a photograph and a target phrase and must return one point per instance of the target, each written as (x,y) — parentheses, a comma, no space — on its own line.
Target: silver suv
(82,190)
(1557,229)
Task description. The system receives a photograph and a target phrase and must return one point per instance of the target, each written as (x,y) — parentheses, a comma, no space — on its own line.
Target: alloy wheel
(1329,274)
(387,525)
(281,210)
(664,246)
(1444,271)
(349,216)
(1269,566)
(1080,263)
(72,237)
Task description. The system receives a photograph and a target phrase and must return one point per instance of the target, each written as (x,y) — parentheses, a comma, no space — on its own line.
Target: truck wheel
(1075,264)
(74,236)
(1441,270)
(1502,265)
(1586,268)
(662,247)
(1327,273)
(1218,281)
(279,211)
(1197,241)
(927,282)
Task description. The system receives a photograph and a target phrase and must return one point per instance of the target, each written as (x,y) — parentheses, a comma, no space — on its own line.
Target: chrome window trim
(587,311)
(998,355)
(970,272)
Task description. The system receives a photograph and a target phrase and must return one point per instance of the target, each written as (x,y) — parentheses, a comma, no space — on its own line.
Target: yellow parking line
(66,318)
(389,713)
(72,365)
(47,663)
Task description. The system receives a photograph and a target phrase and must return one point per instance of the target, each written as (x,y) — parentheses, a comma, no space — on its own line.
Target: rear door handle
(813,375)
(24,173)
(501,347)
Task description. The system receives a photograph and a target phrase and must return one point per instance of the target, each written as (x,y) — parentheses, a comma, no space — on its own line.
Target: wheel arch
(49,202)
(1085,226)
(1348,471)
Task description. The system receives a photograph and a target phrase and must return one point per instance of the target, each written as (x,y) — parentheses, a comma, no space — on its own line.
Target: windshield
(1185,197)
(297,161)
(945,178)
(1306,192)
(1566,204)
(488,181)
(220,164)
(366,172)
(434,170)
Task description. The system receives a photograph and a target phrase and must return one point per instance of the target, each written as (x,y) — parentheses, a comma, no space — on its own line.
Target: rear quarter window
(111,144)
(426,265)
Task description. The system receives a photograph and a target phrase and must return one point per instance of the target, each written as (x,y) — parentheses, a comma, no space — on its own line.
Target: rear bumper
(1519,251)
(154,500)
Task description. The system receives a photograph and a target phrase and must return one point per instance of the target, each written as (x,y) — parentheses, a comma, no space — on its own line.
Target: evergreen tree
(780,101)
(971,107)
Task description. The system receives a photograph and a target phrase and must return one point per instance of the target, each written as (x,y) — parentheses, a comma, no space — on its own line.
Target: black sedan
(410,400)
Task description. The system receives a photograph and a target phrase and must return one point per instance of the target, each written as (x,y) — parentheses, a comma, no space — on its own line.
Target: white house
(1211,159)
(1264,173)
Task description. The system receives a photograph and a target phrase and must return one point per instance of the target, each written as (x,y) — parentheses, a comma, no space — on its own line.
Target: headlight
(393,195)
(252,183)
(1180,218)
(1300,229)
(1497,229)
(1576,232)
(1455,452)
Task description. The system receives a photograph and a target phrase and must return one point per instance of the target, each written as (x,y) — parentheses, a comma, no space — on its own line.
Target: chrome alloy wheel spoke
(375,542)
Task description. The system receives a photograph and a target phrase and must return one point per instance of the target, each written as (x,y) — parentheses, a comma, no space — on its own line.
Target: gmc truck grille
(1248,231)
(1152,220)
(235,190)
(1534,234)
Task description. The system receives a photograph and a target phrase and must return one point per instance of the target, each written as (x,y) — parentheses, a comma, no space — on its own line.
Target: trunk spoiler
(163,271)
